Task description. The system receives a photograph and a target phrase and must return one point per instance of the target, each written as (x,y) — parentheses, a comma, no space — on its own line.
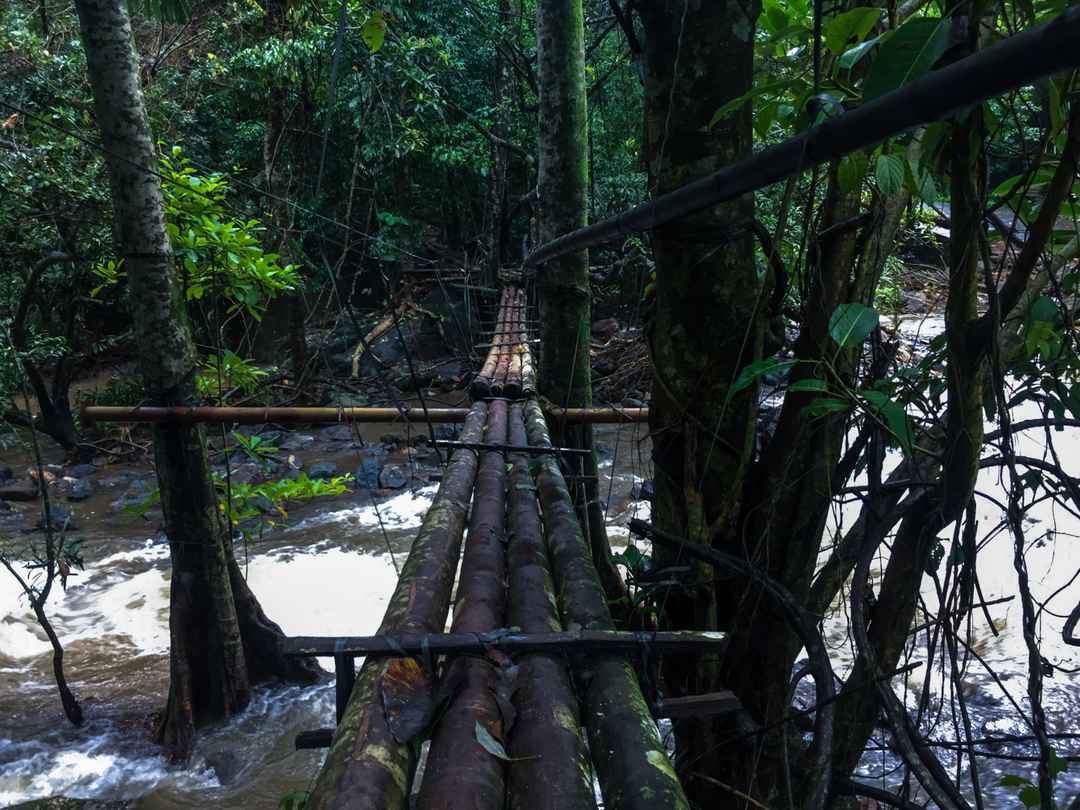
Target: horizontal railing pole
(1012,63)
(571,641)
(314,416)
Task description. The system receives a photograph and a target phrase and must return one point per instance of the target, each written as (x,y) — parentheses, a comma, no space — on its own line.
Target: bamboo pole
(91,414)
(549,639)
(460,771)
(1014,62)
(631,761)
(550,767)
(366,766)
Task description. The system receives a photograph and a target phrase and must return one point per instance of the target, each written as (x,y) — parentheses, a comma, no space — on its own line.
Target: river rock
(247,473)
(322,470)
(18,490)
(367,474)
(58,516)
(643,491)
(137,492)
(6,474)
(392,477)
(76,489)
(80,471)
(297,441)
(607,328)
(336,433)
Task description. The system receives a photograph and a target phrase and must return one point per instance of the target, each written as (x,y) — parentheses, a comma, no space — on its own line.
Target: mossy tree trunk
(709,322)
(213,654)
(563,284)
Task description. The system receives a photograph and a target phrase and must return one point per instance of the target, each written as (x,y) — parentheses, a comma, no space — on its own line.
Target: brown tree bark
(211,660)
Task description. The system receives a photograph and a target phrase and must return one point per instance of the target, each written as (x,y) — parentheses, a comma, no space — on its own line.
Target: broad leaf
(906,55)
(755,370)
(373,32)
(809,385)
(851,171)
(854,24)
(735,103)
(892,413)
(889,173)
(851,324)
(490,744)
(848,59)
(824,406)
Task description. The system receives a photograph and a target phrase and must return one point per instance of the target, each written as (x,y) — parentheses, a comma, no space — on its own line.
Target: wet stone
(297,441)
(18,490)
(322,470)
(392,477)
(367,474)
(6,474)
(643,491)
(335,433)
(80,471)
(76,489)
(137,492)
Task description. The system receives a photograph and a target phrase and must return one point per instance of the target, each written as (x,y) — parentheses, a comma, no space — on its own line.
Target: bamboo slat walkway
(533,694)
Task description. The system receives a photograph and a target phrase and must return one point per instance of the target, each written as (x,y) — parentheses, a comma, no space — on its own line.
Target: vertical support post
(345,674)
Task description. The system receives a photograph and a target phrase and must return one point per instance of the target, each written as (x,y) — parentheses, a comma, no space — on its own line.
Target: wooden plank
(706,705)
(611,642)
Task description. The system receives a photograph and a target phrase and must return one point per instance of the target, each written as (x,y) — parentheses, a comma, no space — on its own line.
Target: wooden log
(317,416)
(631,761)
(550,768)
(460,771)
(550,641)
(366,766)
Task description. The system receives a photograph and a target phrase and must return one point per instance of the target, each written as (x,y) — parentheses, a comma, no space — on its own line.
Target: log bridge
(532,700)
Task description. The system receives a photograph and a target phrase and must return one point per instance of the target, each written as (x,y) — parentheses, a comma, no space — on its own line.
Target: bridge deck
(520,718)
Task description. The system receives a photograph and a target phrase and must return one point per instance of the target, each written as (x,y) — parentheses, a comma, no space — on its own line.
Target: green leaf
(848,59)
(851,324)
(809,385)
(490,744)
(907,54)
(373,31)
(735,103)
(824,406)
(1056,764)
(755,370)
(851,171)
(1030,796)
(894,416)
(1012,780)
(889,173)
(856,24)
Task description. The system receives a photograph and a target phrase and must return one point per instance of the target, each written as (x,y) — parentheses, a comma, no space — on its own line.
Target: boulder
(605,329)
(80,471)
(76,489)
(392,477)
(322,470)
(296,441)
(367,474)
(643,491)
(334,433)
(137,492)
(18,490)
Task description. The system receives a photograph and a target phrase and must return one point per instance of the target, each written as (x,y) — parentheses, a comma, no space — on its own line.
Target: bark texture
(460,772)
(551,768)
(209,668)
(367,767)
(630,759)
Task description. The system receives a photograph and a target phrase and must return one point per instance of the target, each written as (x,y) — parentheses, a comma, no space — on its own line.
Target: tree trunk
(709,322)
(563,284)
(209,672)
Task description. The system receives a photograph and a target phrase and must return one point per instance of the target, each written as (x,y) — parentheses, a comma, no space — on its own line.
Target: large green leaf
(735,103)
(755,370)
(894,417)
(889,173)
(373,32)
(851,324)
(851,171)
(849,58)
(854,24)
(906,55)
